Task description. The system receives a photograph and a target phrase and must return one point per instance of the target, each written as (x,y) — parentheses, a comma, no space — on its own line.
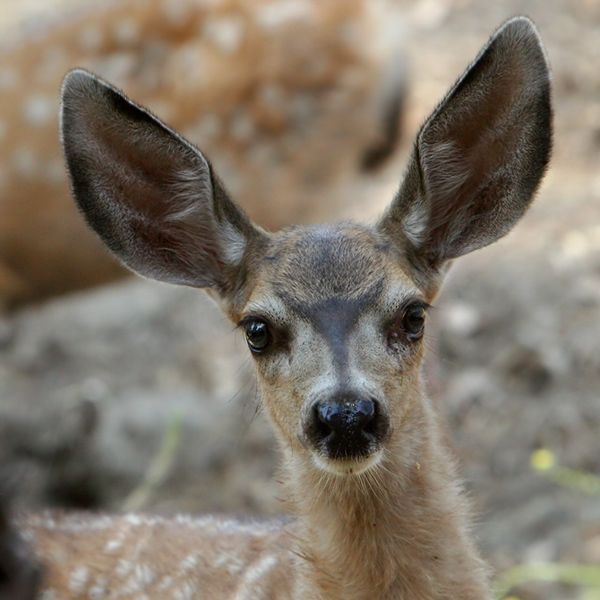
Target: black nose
(346,418)
(346,426)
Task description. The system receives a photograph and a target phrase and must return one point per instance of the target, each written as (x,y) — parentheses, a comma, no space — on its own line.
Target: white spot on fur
(190,521)
(165,583)
(78,580)
(235,565)
(131,586)
(186,592)
(133,519)
(39,110)
(113,546)
(49,594)
(124,567)
(98,590)
(232,563)
(282,12)
(189,563)
(250,585)
(226,33)
(145,575)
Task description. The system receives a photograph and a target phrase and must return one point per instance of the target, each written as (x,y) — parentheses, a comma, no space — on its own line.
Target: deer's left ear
(480,156)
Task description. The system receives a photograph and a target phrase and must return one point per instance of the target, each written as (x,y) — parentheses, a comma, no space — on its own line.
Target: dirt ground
(89,382)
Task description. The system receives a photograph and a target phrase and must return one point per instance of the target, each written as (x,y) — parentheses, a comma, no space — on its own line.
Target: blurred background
(119,393)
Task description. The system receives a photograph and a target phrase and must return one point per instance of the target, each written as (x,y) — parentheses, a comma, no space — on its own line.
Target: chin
(347,466)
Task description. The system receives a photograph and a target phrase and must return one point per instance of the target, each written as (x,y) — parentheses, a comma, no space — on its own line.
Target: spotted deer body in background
(334,318)
(290,97)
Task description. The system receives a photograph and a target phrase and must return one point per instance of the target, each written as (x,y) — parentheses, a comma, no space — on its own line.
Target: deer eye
(413,320)
(258,335)
(409,324)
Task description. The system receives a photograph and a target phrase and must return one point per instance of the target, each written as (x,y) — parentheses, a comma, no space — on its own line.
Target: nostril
(344,426)
(365,411)
(345,417)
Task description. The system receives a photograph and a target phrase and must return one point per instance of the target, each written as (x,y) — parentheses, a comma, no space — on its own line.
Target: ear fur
(150,195)
(480,156)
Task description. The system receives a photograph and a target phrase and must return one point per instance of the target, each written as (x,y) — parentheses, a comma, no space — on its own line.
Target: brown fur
(270,101)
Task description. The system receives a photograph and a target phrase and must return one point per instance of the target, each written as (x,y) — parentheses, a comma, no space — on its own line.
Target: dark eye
(258,335)
(409,324)
(413,320)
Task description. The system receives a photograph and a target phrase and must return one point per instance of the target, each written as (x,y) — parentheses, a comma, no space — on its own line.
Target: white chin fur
(351,466)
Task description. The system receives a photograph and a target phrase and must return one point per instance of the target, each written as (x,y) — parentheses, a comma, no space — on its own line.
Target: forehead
(313,265)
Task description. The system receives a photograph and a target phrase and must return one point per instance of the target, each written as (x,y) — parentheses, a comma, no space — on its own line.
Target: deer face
(335,324)
(333,315)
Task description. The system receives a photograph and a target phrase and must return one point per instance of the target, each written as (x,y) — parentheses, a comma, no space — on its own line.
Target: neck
(398,530)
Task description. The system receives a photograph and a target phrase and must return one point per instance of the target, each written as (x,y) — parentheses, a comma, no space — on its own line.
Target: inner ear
(151,196)
(484,151)
(481,155)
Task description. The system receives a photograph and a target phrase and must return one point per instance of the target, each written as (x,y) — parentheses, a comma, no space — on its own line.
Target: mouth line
(347,466)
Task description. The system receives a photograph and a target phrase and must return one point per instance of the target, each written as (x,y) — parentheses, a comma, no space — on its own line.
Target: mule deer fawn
(286,95)
(334,318)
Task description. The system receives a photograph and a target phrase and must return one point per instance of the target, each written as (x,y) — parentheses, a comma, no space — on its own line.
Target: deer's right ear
(149,194)
(480,156)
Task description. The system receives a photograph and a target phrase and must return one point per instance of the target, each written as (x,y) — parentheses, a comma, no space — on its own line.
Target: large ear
(480,156)
(149,194)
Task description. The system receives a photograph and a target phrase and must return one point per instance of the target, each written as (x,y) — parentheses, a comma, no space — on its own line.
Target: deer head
(334,314)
